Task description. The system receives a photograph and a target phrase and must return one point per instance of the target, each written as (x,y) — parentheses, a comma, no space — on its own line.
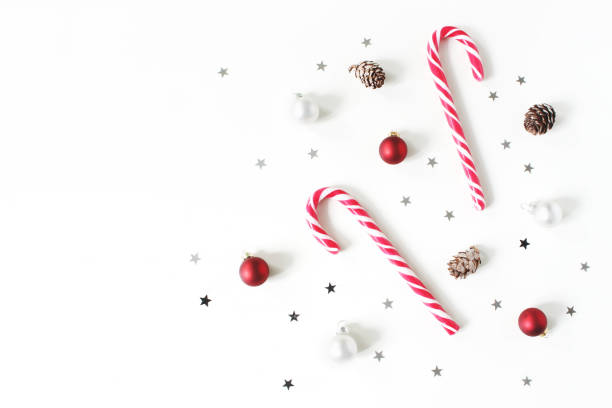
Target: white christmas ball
(547,213)
(343,346)
(305,109)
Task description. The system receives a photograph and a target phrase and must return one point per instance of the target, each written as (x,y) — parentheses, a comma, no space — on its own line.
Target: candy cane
(449,106)
(381,241)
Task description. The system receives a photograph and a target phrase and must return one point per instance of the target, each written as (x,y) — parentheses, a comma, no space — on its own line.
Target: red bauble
(393,149)
(532,322)
(254,271)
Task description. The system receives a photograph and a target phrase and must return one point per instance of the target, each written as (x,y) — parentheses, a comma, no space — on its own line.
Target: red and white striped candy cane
(448,105)
(382,242)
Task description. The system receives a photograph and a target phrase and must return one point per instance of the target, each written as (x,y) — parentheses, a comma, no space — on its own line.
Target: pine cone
(370,73)
(464,263)
(539,119)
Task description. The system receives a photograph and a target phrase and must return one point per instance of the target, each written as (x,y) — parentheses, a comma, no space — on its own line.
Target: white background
(123,152)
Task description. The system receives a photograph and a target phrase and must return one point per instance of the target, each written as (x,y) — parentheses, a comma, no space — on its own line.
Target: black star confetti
(294,316)
(205,300)
(260,163)
(378,355)
(431,162)
(570,311)
(331,288)
(584,266)
(493,96)
(195,258)
(528,168)
(222,72)
(526,381)
(524,243)
(366,42)
(449,215)
(321,66)
(520,80)
(313,153)
(405,201)
(496,304)
(388,303)
(288,384)
(506,144)
(437,372)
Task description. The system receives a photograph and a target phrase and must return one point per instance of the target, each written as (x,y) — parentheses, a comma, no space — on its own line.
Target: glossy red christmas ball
(393,149)
(254,271)
(532,322)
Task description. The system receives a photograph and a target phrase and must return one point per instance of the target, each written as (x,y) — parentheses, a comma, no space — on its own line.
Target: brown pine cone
(464,263)
(539,119)
(370,73)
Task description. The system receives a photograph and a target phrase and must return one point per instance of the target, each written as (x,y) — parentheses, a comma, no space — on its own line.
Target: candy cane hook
(448,105)
(381,241)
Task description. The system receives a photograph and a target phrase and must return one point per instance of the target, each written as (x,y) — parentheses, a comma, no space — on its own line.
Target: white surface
(123,152)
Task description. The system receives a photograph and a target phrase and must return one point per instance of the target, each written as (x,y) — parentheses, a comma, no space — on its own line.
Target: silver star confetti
(195,258)
(437,372)
(528,168)
(378,355)
(431,162)
(449,215)
(521,80)
(388,304)
(570,311)
(493,96)
(506,144)
(321,66)
(405,201)
(366,42)
(527,381)
(313,153)
(496,304)
(584,266)
(222,72)
(260,163)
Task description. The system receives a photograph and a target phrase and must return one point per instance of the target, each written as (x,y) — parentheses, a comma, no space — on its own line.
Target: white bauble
(546,213)
(305,109)
(343,346)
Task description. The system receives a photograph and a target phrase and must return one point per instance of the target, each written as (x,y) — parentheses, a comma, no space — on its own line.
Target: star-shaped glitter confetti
(431,161)
(260,163)
(195,258)
(366,42)
(437,372)
(205,300)
(528,168)
(313,153)
(526,381)
(388,303)
(405,201)
(524,243)
(506,144)
(331,288)
(520,80)
(496,304)
(570,311)
(222,72)
(584,266)
(378,355)
(294,316)
(493,96)
(288,384)
(449,215)
(321,66)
